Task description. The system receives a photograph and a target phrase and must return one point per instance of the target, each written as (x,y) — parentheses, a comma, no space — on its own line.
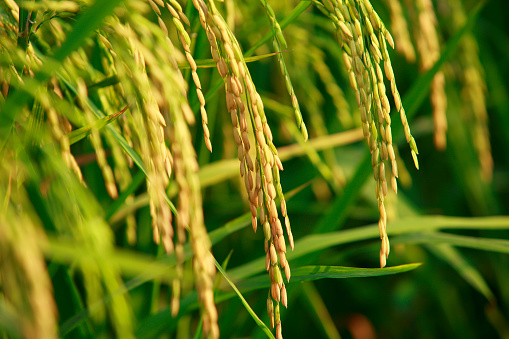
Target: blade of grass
(317,242)
(156,325)
(311,273)
(210,63)
(129,263)
(468,272)
(484,244)
(258,321)
(321,315)
(83,132)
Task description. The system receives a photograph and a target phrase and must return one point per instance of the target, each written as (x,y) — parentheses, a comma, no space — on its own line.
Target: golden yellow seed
(274,289)
(172,11)
(287,272)
(284,297)
(254,222)
(234,118)
(223,70)
(384,151)
(394,184)
(273,209)
(249,162)
(184,18)
(236,136)
(154,7)
(196,80)
(383,259)
(270,311)
(266,226)
(282,244)
(279,331)
(345,30)
(240,152)
(282,259)
(416,161)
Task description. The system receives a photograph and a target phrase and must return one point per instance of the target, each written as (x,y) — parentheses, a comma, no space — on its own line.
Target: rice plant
(124,216)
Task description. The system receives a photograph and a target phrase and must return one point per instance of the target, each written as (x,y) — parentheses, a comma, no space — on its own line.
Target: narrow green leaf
(484,244)
(317,242)
(471,275)
(210,63)
(129,263)
(310,273)
(258,321)
(317,308)
(83,132)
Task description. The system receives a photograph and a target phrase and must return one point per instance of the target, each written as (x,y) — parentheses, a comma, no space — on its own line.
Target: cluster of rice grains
(261,175)
(160,112)
(364,39)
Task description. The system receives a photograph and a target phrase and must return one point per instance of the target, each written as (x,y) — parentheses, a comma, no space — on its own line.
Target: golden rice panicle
(428,46)
(261,175)
(59,133)
(279,42)
(163,96)
(179,20)
(95,138)
(401,32)
(365,53)
(146,120)
(190,214)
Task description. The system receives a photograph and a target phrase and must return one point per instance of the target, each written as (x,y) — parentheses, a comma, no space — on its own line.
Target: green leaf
(83,132)
(258,321)
(310,273)
(129,263)
(318,242)
(210,63)
(471,275)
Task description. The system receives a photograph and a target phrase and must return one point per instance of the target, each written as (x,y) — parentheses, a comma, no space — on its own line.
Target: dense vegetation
(142,142)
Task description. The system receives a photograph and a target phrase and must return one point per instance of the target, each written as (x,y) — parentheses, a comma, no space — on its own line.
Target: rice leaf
(260,323)
(83,132)
(311,273)
(468,272)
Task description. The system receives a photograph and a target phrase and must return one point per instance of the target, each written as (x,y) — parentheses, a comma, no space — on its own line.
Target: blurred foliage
(105,172)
